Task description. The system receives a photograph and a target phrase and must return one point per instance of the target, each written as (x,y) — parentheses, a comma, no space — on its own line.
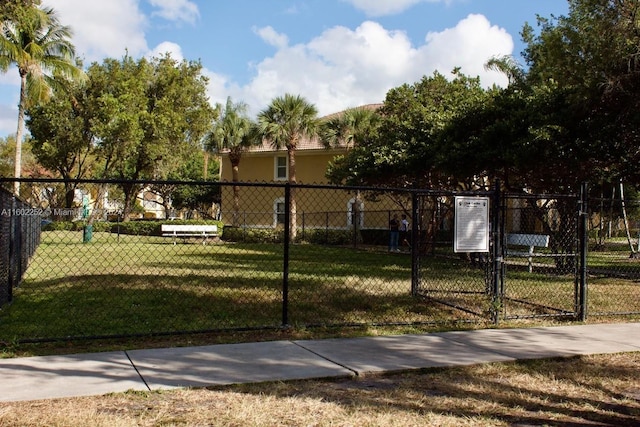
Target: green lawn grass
(140,285)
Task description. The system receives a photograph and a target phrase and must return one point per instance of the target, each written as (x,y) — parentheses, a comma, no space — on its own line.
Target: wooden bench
(189,230)
(532,241)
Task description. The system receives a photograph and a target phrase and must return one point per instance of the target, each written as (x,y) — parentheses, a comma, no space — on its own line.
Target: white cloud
(103,28)
(100,29)
(386,7)
(163,48)
(339,68)
(272,37)
(343,68)
(176,10)
(468,45)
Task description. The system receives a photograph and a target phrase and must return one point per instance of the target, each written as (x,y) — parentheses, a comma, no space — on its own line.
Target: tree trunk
(626,221)
(69,195)
(236,194)
(205,168)
(129,191)
(21,107)
(291,150)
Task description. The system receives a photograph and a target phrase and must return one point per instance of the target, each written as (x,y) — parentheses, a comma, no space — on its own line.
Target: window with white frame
(281,168)
(278,211)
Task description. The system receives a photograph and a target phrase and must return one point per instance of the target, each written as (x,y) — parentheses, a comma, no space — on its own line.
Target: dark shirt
(394,225)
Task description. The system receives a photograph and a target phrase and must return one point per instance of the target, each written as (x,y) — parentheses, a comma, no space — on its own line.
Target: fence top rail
(417,191)
(379,189)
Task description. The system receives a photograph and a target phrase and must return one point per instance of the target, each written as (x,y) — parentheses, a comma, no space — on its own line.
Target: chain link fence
(19,238)
(268,255)
(613,258)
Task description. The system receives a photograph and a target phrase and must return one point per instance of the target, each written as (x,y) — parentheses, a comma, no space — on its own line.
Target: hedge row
(318,236)
(139,228)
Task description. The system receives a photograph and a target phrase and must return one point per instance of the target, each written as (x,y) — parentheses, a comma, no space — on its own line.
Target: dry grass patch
(588,390)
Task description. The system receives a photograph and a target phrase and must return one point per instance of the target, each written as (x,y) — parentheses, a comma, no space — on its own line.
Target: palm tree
(286,121)
(40,47)
(350,129)
(508,66)
(233,132)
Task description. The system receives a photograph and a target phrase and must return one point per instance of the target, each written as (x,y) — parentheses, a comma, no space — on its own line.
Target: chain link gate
(541,252)
(464,282)
(533,268)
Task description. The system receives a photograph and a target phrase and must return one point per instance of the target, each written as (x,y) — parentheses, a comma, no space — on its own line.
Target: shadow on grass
(120,304)
(556,392)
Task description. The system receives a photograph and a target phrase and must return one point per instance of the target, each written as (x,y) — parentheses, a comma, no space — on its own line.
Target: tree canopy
(131,120)
(571,115)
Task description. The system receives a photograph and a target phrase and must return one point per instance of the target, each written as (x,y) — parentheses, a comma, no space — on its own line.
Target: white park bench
(189,230)
(532,241)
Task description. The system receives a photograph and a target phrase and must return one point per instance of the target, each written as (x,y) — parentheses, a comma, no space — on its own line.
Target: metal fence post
(496,234)
(415,235)
(583,243)
(285,267)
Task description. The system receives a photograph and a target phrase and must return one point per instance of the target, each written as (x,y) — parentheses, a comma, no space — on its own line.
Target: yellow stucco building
(317,207)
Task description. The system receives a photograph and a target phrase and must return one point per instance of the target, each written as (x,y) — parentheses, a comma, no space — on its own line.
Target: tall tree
(405,152)
(592,56)
(7,153)
(284,123)
(62,137)
(40,47)
(349,129)
(148,113)
(234,133)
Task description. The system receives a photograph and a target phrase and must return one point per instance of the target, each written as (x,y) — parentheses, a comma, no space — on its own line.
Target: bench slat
(539,240)
(530,240)
(187,230)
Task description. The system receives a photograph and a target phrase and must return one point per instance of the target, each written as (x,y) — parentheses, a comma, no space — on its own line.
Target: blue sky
(335,53)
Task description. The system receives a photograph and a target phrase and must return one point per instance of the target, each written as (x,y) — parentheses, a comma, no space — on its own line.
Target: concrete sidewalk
(47,377)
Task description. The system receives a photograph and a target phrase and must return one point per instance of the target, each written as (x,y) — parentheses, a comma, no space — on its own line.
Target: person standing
(404,231)
(394,234)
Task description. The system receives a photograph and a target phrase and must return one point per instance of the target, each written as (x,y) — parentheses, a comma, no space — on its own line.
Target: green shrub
(375,236)
(154,227)
(137,228)
(252,235)
(75,226)
(140,228)
(321,236)
(102,226)
(58,226)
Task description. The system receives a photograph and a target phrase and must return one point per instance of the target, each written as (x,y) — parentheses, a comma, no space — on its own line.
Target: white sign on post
(471,224)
